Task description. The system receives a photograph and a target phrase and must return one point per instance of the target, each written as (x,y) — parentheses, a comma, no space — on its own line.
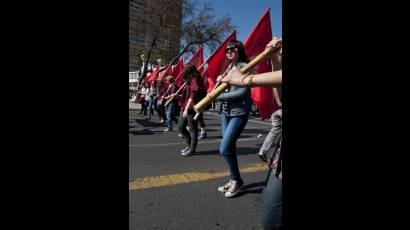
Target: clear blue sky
(246,13)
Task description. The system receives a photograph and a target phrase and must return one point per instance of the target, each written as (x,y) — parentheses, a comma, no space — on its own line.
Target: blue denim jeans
(271,208)
(160,110)
(171,115)
(232,127)
(151,106)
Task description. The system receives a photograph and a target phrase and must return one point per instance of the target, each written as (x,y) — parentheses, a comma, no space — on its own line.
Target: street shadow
(212,137)
(254,116)
(212,130)
(208,118)
(141,132)
(246,151)
(240,151)
(145,122)
(209,152)
(220,137)
(245,136)
(133,124)
(251,188)
(255,131)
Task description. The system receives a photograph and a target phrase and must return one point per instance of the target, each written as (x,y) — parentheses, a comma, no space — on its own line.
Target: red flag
(216,63)
(178,68)
(256,42)
(178,80)
(177,73)
(167,70)
(153,74)
(198,59)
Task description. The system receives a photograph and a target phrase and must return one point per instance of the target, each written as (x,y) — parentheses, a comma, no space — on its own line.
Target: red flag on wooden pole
(153,75)
(216,63)
(198,59)
(178,68)
(178,72)
(168,71)
(256,42)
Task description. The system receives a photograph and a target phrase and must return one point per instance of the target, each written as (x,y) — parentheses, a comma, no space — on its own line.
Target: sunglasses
(230,49)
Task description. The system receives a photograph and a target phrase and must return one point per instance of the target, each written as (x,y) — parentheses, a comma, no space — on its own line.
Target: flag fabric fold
(153,75)
(177,72)
(216,64)
(198,59)
(255,44)
(168,71)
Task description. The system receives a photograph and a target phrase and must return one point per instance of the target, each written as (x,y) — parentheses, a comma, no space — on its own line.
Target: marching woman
(271,208)
(152,92)
(159,102)
(192,93)
(235,106)
(172,107)
(141,100)
(145,94)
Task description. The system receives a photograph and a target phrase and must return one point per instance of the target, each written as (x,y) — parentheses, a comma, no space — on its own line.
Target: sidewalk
(134,106)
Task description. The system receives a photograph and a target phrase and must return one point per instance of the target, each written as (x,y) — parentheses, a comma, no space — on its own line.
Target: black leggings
(191,136)
(201,120)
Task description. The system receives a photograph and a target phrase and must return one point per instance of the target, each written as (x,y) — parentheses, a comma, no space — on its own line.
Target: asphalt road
(169,191)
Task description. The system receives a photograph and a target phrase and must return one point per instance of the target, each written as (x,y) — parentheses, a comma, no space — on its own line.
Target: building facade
(149,20)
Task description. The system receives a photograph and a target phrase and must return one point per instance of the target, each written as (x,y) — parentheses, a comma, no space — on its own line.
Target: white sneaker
(263,157)
(225,187)
(233,190)
(188,152)
(185,149)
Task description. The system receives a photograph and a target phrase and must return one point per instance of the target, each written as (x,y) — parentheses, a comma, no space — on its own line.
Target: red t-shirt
(170,90)
(161,92)
(191,90)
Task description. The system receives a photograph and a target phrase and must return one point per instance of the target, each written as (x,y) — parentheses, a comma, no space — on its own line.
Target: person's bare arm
(276,56)
(274,79)
(235,77)
(188,106)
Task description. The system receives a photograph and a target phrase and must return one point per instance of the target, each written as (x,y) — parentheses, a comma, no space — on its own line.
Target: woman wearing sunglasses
(235,106)
(271,206)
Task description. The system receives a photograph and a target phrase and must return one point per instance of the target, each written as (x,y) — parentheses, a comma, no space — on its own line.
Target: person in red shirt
(192,93)
(159,106)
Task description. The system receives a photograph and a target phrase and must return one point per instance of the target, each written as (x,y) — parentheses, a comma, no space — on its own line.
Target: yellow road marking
(183,178)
